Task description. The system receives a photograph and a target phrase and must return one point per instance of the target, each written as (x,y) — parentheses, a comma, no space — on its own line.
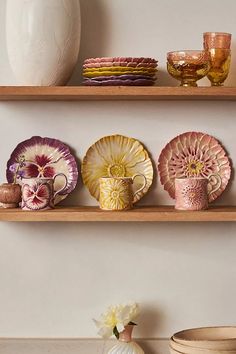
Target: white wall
(54,278)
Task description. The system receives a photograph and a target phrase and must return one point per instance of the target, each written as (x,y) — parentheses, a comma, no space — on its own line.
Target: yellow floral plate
(116,70)
(116,156)
(117,73)
(120,68)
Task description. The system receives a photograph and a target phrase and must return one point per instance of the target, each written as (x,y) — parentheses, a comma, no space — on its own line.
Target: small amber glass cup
(188,66)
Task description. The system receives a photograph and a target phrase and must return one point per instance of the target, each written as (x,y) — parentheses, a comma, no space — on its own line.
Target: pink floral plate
(120,59)
(43,157)
(194,154)
(119,63)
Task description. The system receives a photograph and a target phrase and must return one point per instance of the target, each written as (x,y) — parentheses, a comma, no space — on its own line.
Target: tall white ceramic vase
(43,39)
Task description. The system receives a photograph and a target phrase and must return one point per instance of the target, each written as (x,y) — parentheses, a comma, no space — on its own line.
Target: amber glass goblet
(212,40)
(220,64)
(188,66)
(218,45)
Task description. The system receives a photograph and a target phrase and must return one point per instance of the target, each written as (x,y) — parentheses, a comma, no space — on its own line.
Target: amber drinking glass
(188,66)
(220,40)
(218,45)
(220,64)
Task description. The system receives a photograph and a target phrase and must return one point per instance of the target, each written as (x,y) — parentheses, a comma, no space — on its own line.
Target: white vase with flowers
(119,320)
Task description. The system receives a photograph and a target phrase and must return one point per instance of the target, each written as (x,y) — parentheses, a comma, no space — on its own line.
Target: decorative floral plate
(118,70)
(123,77)
(139,82)
(116,156)
(194,154)
(120,59)
(115,73)
(117,63)
(43,157)
(119,82)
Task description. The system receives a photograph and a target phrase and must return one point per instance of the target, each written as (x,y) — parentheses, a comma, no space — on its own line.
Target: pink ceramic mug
(192,193)
(38,193)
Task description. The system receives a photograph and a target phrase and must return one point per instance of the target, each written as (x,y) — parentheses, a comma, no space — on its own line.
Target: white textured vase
(43,39)
(125,345)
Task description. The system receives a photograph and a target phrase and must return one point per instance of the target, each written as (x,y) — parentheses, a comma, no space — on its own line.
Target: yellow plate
(116,156)
(121,69)
(116,73)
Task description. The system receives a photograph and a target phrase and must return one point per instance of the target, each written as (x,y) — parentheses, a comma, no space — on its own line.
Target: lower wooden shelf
(138,214)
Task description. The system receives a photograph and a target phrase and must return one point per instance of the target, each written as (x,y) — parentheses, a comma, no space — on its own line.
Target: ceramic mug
(116,193)
(38,193)
(192,193)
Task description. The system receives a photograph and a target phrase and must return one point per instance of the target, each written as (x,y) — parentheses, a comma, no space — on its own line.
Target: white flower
(117,317)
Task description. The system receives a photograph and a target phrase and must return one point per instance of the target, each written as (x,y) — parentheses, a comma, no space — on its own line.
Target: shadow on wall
(151,322)
(93,35)
(231,81)
(164,79)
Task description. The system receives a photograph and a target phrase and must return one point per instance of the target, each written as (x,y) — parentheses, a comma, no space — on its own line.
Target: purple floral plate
(122,77)
(43,157)
(119,82)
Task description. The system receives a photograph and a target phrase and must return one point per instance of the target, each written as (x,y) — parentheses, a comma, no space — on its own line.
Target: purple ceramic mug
(192,193)
(38,193)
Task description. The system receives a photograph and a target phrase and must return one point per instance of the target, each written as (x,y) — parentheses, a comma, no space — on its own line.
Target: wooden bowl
(185,349)
(173,351)
(214,338)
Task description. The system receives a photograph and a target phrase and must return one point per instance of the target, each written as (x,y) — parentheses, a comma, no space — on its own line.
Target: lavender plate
(43,157)
(122,77)
(118,82)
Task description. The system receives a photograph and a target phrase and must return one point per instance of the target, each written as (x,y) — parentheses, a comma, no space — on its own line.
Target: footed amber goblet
(188,66)
(218,45)
(220,40)
(220,64)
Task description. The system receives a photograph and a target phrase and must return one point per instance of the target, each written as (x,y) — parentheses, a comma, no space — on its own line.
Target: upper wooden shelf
(82,93)
(138,214)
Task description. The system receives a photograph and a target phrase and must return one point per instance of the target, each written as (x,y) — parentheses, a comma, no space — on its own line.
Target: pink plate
(120,59)
(43,157)
(120,63)
(194,154)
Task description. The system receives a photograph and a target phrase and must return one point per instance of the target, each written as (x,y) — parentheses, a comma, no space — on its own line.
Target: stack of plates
(206,340)
(119,71)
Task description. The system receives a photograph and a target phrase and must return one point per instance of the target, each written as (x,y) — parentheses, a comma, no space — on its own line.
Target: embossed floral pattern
(116,156)
(115,194)
(43,51)
(191,194)
(194,154)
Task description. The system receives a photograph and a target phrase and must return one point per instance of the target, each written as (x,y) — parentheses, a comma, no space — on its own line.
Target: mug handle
(218,185)
(144,183)
(62,189)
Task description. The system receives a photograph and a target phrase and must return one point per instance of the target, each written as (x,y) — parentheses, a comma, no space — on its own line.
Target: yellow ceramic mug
(116,193)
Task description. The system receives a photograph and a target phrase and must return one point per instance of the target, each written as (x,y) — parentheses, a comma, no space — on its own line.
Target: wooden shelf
(139,214)
(81,93)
